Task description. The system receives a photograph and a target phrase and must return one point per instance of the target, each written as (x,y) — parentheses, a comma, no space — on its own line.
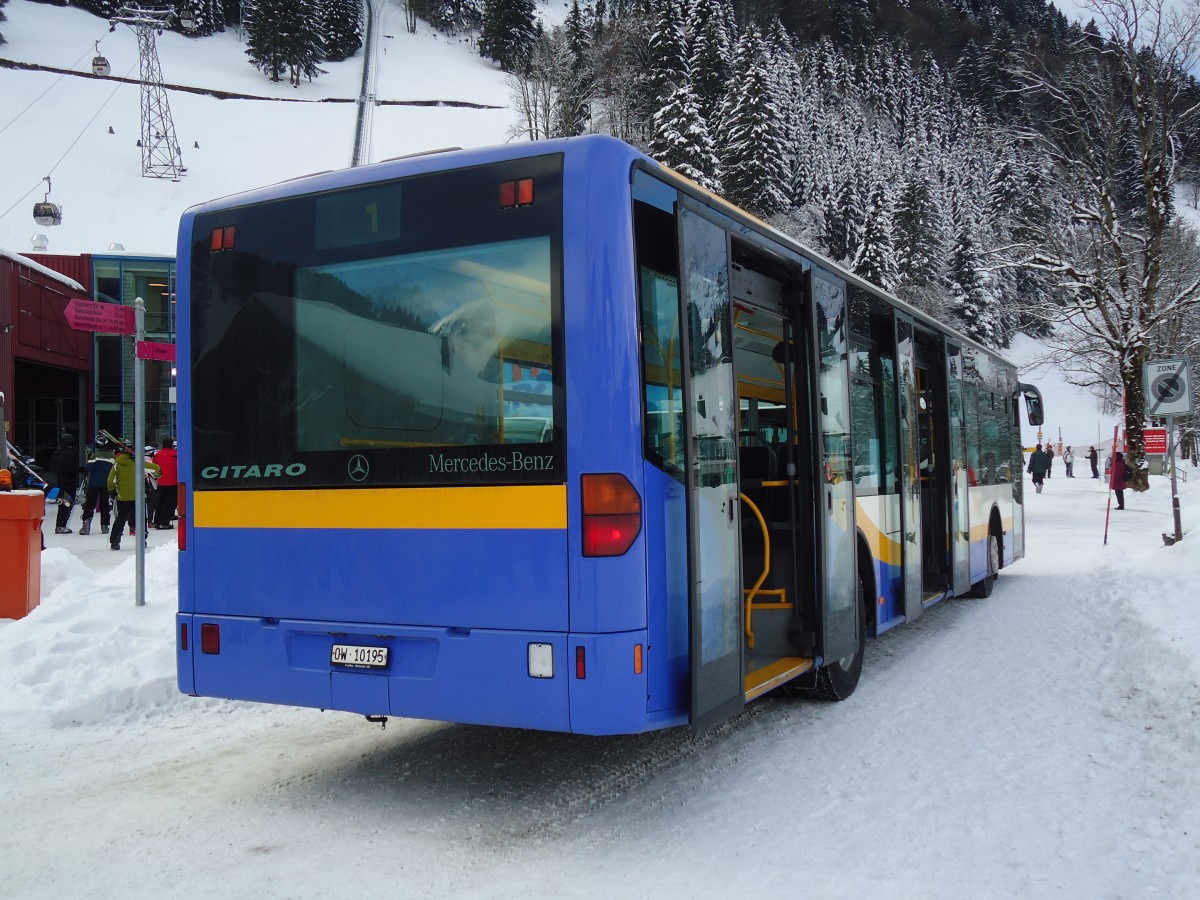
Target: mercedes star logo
(358,468)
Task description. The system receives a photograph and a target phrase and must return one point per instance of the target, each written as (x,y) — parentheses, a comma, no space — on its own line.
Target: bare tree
(547,90)
(1114,120)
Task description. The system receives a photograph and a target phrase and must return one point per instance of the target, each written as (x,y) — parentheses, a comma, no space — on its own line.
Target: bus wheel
(838,680)
(982,589)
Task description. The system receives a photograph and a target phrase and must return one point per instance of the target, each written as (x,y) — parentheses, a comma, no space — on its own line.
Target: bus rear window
(418,347)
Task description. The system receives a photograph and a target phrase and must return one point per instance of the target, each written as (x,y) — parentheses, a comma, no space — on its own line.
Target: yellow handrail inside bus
(753,592)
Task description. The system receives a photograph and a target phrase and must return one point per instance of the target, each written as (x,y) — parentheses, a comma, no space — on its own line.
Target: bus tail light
(183,643)
(580,662)
(222,238)
(181,509)
(210,638)
(516,193)
(612,514)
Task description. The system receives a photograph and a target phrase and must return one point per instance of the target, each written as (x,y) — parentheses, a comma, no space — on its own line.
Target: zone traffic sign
(1168,387)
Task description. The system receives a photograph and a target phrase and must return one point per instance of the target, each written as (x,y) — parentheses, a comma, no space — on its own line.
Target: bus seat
(757,463)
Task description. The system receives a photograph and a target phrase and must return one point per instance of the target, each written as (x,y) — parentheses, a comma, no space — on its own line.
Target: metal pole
(1108,478)
(139,450)
(1174,484)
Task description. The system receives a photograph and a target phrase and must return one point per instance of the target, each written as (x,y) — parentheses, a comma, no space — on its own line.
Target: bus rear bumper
(476,676)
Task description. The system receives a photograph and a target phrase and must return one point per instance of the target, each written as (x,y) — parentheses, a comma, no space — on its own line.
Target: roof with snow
(42,270)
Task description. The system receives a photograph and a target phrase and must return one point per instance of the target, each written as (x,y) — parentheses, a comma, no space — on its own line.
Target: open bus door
(960,475)
(910,477)
(710,421)
(840,617)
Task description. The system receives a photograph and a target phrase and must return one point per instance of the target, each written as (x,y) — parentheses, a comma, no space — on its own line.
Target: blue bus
(546,436)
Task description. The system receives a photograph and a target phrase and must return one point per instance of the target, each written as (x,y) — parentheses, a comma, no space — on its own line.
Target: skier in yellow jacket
(123,481)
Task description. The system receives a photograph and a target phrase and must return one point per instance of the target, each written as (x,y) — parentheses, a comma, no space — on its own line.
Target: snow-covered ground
(1041,743)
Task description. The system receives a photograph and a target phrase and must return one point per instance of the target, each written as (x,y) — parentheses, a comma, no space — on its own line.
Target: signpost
(107,318)
(156,350)
(1168,385)
(112,318)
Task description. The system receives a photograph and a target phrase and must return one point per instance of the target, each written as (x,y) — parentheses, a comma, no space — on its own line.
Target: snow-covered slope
(59,125)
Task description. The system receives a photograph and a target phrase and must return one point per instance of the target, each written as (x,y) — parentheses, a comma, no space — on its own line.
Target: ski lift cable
(53,84)
(82,132)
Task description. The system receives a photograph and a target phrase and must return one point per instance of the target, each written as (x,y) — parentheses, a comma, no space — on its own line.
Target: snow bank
(87,653)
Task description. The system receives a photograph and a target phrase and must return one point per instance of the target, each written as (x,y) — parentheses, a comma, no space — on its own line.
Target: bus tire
(983,589)
(838,680)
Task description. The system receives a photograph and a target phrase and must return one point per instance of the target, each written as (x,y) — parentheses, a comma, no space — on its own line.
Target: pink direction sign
(87,315)
(155,350)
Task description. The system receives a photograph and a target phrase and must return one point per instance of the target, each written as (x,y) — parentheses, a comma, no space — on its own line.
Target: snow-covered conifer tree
(712,50)
(875,259)
(843,219)
(971,299)
(455,15)
(284,34)
(266,43)
(576,91)
(507,32)
(681,139)
(917,230)
(754,158)
(341,28)
(668,50)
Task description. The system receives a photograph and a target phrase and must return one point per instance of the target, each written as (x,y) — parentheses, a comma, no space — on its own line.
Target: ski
(52,493)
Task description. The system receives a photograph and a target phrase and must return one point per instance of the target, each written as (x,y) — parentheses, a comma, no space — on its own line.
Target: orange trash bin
(21,514)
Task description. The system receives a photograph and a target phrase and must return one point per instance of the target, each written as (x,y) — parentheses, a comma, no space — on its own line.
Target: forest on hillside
(991,163)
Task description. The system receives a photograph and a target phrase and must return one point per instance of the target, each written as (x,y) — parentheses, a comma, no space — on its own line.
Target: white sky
(1041,743)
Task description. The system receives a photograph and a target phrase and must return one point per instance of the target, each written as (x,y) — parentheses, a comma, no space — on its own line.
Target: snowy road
(1041,743)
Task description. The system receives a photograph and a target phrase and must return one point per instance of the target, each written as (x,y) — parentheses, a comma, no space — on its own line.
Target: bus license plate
(359,657)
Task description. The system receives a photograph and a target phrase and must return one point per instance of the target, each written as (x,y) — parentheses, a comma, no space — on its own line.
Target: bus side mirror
(1034,410)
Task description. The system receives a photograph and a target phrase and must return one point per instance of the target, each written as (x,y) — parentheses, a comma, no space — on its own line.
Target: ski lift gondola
(47,213)
(100,65)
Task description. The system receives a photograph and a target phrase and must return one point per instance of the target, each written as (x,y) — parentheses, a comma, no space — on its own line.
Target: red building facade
(45,365)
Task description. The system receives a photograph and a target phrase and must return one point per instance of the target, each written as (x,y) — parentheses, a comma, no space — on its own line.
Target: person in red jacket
(167,495)
(1119,478)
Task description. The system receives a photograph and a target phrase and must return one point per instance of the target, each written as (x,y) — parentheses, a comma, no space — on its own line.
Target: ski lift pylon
(100,65)
(47,213)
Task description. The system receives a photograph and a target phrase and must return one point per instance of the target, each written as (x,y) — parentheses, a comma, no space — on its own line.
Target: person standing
(167,494)
(65,466)
(123,481)
(1094,458)
(1119,479)
(1039,464)
(97,468)
(1049,458)
(1069,462)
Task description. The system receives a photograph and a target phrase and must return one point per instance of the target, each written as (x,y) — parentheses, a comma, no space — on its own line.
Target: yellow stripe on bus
(883,548)
(980,532)
(537,506)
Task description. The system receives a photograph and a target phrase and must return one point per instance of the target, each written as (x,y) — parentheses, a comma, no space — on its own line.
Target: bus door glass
(910,474)
(839,621)
(960,475)
(710,419)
